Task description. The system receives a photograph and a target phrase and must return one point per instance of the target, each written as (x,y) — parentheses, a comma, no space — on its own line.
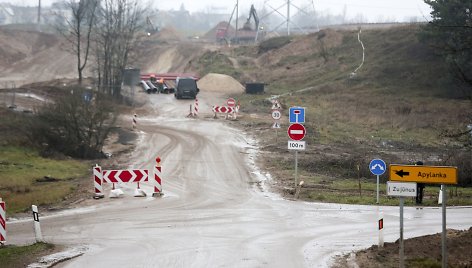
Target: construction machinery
(151,29)
(246,34)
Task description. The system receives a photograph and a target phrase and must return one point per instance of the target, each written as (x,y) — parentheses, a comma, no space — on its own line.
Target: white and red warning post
(3,222)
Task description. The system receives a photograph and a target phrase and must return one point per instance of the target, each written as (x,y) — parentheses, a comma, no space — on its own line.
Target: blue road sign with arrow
(377,167)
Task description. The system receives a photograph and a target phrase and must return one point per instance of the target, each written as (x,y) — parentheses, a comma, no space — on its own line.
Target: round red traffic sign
(231,102)
(296,132)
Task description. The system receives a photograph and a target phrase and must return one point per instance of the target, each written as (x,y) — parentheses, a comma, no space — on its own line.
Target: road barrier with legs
(126,176)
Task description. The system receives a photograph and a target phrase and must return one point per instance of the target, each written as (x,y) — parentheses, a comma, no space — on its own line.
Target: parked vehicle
(186,87)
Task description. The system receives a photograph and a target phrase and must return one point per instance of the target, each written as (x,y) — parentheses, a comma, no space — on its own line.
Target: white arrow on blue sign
(377,167)
(297,115)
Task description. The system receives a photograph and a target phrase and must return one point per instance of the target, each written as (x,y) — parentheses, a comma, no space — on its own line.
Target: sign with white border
(296,145)
(403,189)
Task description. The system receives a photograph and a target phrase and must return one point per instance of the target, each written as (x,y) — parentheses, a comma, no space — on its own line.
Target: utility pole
(39,11)
(237,18)
(288,17)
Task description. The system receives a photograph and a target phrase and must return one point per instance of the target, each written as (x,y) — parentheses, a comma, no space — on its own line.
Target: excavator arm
(253,14)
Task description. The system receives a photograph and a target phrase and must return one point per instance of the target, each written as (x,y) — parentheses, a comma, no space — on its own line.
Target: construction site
(208,96)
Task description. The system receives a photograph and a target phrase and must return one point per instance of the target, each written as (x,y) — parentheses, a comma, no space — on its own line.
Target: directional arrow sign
(130,175)
(425,174)
(223,109)
(377,167)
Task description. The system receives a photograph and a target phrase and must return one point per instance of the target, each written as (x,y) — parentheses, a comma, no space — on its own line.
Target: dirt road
(215,211)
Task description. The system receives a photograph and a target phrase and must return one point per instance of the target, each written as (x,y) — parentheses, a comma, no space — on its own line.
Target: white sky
(372,10)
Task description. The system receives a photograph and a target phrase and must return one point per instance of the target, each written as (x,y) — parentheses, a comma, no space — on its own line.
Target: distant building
(11,14)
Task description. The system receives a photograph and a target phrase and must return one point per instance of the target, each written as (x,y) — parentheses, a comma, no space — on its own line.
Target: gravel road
(214,212)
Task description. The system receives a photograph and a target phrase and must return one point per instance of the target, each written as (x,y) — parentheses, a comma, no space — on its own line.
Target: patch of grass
(325,189)
(215,62)
(21,256)
(21,174)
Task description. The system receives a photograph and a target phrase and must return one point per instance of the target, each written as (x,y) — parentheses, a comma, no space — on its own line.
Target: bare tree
(79,29)
(117,30)
(75,124)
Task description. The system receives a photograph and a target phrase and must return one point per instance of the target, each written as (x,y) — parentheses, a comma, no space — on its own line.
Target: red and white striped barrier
(98,181)
(157,178)
(126,176)
(228,111)
(223,109)
(3,222)
(195,113)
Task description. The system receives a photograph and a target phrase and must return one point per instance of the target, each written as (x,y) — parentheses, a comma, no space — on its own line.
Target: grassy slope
(398,107)
(22,182)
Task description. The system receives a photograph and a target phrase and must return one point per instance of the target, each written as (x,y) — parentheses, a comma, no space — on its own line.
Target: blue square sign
(297,115)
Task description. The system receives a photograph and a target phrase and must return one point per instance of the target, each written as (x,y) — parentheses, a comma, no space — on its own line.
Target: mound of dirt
(211,34)
(169,34)
(424,251)
(300,46)
(214,82)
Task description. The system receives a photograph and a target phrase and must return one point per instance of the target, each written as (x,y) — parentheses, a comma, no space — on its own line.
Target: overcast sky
(378,10)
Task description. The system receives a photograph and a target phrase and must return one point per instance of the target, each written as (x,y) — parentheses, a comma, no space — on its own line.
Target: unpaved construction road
(216,211)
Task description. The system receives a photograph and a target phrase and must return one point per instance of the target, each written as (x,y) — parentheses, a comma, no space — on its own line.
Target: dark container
(131,76)
(254,88)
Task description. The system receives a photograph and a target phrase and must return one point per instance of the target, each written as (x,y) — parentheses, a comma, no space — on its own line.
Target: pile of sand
(169,34)
(214,82)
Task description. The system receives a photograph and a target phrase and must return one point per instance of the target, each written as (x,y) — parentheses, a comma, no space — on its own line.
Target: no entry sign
(231,102)
(296,132)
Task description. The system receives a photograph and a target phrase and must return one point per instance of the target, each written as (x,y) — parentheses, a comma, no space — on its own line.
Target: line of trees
(104,32)
(450,34)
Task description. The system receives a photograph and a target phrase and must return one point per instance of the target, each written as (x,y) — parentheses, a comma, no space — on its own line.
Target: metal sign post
(296,168)
(402,250)
(377,189)
(402,190)
(443,235)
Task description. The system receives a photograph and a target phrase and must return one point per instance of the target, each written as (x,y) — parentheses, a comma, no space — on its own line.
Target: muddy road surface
(216,211)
